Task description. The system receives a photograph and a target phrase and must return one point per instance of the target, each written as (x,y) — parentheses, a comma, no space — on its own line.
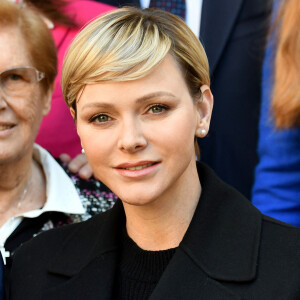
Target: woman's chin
(139,199)
(138,202)
(138,193)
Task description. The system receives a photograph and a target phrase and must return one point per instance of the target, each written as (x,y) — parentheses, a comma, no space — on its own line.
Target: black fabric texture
(230,251)
(139,270)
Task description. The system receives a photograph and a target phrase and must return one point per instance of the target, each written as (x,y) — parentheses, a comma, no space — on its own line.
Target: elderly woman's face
(139,135)
(22,106)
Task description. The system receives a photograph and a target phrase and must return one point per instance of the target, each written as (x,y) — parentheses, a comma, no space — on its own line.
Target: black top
(230,251)
(139,270)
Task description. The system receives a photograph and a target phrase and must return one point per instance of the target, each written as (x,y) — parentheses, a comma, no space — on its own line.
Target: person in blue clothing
(276,191)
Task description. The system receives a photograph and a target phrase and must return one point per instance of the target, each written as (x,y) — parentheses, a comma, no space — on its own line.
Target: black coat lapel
(217,20)
(221,245)
(85,266)
(93,282)
(224,235)
(183,279)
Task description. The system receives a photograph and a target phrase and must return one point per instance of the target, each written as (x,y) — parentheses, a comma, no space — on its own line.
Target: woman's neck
(162,224)
(20,181)
(14,174)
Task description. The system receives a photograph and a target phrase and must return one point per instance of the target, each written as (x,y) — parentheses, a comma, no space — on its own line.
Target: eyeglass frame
(39,74)
(17,1)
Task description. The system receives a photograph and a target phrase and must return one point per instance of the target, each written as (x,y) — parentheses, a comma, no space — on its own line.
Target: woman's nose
(3,103)
(131,137)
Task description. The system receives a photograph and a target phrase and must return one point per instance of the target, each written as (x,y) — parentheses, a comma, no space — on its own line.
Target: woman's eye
(101,118)
(15,77)
(156,109)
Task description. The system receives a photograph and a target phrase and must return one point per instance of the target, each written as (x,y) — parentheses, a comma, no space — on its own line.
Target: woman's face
(139,135)
(20,112)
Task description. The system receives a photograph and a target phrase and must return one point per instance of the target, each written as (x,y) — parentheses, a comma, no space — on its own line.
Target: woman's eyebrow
(98,105)
(106,105)
(154,95)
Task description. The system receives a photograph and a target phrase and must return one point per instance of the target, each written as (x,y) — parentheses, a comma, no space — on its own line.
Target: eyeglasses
(20,80)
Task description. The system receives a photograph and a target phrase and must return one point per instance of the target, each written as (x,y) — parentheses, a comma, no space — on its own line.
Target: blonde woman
(137,85)
(64,18)
(276,190)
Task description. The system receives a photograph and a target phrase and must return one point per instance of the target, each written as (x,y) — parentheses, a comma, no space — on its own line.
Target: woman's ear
(204,110)
(47,100)
(73,113)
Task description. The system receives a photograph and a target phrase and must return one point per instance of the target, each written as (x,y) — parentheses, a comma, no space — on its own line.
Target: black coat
(233,33)
(230,251)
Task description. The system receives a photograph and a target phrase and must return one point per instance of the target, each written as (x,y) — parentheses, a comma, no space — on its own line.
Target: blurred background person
(276,191)
(57,132)
(36,194)
(233,33)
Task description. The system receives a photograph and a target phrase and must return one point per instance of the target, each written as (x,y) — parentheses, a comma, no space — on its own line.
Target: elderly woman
(35,192)
(64,18)
(137,85)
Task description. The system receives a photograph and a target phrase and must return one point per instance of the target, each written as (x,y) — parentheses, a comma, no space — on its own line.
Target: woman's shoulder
(54,238)
(280,244)
(273,229)
(45,245)
(38,255)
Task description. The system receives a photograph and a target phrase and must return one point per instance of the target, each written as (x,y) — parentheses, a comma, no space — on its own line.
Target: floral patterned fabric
(94,195)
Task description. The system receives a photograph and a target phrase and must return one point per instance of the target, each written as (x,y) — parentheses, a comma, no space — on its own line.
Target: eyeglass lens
(18,80)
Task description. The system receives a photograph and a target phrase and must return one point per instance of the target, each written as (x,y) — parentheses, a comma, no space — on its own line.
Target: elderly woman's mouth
(5,127)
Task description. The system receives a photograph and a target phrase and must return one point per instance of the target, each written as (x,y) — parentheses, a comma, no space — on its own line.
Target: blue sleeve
(276,191)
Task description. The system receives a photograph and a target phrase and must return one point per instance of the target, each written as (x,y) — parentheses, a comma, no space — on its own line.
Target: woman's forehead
(165,80)
(13,48)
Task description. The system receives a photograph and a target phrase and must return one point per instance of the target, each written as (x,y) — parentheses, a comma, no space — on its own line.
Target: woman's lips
(5,129)
(139,169)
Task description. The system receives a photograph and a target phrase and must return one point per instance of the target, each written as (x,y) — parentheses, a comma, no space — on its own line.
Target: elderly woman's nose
(131,136)
(3,103)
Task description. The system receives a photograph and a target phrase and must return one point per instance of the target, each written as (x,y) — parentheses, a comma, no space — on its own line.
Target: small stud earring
(202,132)
(82,151)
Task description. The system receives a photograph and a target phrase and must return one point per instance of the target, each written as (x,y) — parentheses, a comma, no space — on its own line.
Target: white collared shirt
(61,195)
(193,13)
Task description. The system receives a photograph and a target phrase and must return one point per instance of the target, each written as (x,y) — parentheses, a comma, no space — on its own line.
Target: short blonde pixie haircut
(127,44)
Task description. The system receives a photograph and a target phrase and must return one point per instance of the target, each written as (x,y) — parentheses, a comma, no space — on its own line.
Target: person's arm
(276,190)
